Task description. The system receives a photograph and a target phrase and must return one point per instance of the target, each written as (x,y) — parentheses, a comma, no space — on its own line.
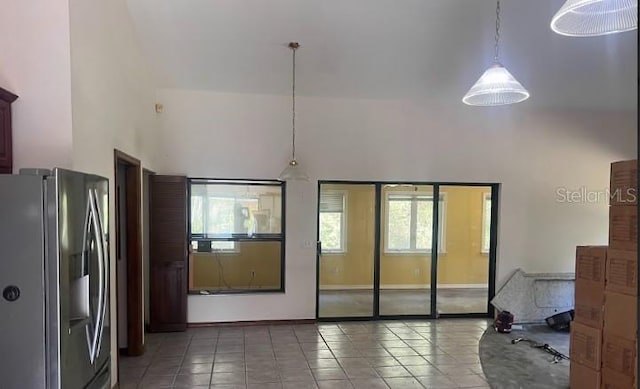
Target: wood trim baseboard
(251,323)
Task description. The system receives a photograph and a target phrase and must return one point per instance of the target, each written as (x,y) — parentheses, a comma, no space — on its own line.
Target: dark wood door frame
(146,252)
(133,206)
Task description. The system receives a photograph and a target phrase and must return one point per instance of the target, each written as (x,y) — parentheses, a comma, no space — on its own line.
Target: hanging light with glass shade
(293,171)
(496,86)
(584,18)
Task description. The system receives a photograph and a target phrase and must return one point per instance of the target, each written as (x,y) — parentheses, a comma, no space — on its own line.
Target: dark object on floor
(561,321)
(507,366)
(503,322)
(557,355)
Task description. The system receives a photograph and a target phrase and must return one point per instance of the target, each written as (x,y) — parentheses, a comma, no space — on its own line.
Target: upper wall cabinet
(6,155)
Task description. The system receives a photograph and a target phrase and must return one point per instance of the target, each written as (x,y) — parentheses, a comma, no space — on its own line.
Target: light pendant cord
(497,48)
(293,46)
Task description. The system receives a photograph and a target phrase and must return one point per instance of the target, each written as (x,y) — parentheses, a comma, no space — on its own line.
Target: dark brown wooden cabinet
(168,253)
(6,143)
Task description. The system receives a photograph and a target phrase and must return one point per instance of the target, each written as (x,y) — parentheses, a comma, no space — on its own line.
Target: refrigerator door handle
(87,231)
(93,220)
(102,256)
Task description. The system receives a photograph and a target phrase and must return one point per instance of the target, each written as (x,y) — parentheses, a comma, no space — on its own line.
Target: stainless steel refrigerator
(54,279)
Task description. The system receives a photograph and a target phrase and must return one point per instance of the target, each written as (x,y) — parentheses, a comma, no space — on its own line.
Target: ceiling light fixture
(293,171)
(584,18)
(496,86)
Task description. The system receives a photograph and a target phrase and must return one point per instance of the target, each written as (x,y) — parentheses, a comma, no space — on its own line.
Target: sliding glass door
(346,250)
(405,249)
(463,255)
(389,250)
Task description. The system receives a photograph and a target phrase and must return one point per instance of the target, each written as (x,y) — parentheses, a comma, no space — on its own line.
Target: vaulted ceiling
(381,49)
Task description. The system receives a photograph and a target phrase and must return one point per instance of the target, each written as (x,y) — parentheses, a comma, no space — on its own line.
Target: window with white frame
(332,221)
(486,222)
(213,215)
(225,211)
(409,223)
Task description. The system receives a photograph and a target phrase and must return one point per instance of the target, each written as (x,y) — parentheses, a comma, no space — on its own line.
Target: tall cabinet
(6,154)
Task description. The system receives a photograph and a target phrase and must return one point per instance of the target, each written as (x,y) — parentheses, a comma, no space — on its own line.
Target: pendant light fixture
(293,171)
(584,18)
(496,86)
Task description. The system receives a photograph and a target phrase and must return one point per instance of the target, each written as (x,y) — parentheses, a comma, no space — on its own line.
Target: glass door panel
(346,231)
(406,229)
(463,255)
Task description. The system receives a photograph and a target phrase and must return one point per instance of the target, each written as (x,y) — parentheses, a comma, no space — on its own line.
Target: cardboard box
(624,183)
(623,228)
(581,377)
(591,266)
(620,315)
(586,345)
(622,272)
(590,285)
(619,354)
(612,380)
(589,306)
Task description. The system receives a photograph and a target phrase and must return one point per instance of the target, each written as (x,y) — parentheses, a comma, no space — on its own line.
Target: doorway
(128,241)
(405,250)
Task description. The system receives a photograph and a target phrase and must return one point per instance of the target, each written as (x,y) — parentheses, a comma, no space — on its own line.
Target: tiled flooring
(389,354)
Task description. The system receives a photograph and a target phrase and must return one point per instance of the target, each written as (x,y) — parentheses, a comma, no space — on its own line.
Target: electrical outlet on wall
(252,273)
(416,271)
(308,244)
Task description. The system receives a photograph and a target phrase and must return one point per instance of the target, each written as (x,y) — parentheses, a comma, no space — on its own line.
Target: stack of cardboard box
(621,291)
(603,334)
(586,329)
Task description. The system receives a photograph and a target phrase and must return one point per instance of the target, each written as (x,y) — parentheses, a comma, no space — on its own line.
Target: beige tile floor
(382,354)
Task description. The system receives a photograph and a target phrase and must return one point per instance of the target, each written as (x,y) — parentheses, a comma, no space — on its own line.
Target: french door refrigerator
(54,278)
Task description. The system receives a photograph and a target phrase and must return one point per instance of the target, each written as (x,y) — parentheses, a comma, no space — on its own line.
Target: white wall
(34,64)
(113,101)
(532,153)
